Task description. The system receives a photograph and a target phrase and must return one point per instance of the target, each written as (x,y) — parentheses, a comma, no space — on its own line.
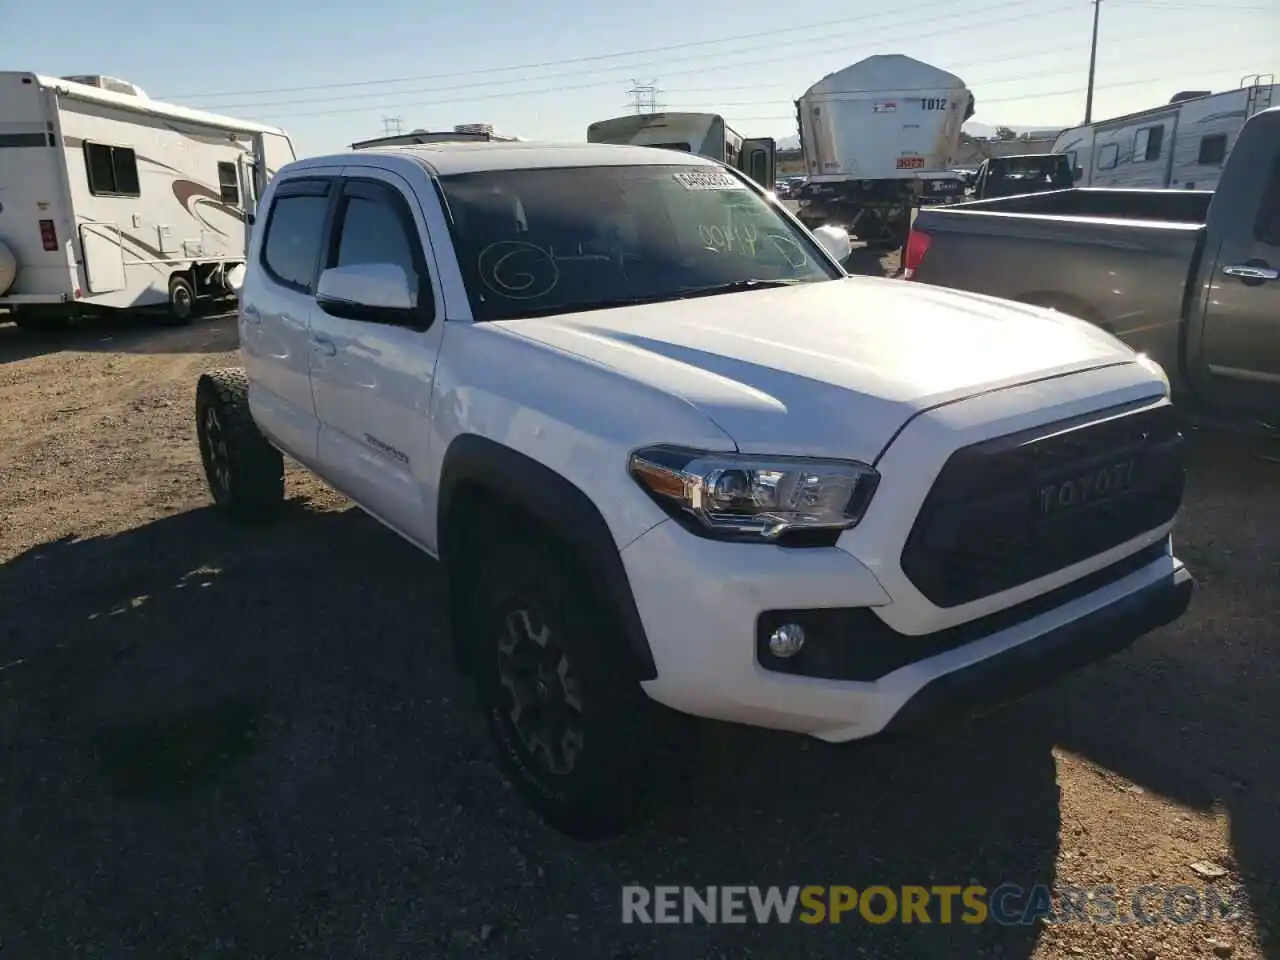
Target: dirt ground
(253,745)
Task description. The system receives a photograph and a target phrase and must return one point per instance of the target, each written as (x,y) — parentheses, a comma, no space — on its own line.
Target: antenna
(644,96)
(392,125)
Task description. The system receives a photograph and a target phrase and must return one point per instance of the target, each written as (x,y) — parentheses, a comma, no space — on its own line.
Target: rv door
(759,161)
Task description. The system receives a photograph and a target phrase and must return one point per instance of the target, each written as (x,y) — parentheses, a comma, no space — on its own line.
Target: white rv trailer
(1182,144)
(110,200)
(705,134)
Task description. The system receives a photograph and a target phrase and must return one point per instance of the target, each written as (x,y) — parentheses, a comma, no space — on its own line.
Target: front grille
(1008,511)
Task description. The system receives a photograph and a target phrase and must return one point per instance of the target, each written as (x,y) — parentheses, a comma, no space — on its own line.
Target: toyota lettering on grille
(1101,483)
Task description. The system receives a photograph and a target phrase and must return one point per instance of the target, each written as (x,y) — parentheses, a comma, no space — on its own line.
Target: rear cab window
(294,233)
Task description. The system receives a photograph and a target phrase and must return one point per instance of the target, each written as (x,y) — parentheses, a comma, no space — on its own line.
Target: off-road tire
(245,473)
(525,585)
(183,305)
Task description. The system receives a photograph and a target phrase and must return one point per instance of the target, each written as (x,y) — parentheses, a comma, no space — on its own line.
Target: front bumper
(702,604)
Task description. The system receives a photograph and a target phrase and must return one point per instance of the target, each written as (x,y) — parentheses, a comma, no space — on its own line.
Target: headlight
(754,498)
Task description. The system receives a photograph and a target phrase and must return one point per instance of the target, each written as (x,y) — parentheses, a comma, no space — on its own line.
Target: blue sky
(545,70)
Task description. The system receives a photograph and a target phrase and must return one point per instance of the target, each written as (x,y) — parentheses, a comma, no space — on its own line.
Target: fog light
(787,640)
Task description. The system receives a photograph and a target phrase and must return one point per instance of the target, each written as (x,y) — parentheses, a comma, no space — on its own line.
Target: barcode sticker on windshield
(708,180)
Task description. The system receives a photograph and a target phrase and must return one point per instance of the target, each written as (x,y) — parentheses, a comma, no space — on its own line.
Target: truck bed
(1171,206)
(1121,259)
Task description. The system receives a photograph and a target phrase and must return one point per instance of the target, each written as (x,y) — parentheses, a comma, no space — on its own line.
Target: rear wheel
(573,729)
(182,301)
(245,473)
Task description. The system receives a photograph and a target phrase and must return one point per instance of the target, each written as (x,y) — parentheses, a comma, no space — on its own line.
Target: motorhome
(110,200)
(1183,144)
(706,134)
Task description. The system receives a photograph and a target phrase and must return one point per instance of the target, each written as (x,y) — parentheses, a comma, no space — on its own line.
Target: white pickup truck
(668,452)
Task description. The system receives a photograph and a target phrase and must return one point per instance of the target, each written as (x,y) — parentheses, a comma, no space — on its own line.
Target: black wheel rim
(216,457)
(543,700)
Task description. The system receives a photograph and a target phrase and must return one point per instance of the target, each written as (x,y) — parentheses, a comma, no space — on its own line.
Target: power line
(1006,78)
(592,84)
(665,63)
(807,53)
(595,58)
(1029,96)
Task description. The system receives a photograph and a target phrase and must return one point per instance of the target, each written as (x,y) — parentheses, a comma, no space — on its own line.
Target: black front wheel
(572,726)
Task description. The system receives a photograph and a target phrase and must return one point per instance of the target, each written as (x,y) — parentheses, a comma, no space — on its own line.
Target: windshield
(555,240)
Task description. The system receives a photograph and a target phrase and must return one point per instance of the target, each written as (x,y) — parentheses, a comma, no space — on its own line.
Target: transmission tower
(644,96)
(392,125)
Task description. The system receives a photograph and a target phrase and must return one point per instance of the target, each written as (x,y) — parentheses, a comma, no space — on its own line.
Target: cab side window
(374,225)
(295,233)
(1267,227)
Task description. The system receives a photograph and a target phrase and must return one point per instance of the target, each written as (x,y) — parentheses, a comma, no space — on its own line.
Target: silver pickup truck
(1188,277)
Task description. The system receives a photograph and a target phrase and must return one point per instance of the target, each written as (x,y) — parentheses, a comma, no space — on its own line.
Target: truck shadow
(260,738)
(125,333)
(221,737)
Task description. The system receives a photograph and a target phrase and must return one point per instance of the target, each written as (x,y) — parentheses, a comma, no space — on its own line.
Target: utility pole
(1093,63)
(644,96)
(391,125)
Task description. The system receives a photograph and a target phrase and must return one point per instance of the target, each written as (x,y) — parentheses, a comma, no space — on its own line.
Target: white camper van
(705,134)
(110,200)
(1183,144)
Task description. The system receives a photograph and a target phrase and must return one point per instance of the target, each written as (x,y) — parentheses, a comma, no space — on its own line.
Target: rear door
(1242,312)
(276,303)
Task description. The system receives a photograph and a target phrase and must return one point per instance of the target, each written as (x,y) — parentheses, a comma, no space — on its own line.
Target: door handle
(325,345)
(1247,271)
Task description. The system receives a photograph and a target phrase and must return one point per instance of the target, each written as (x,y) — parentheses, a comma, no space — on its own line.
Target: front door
(1242,311)
(372,381)
(759,161)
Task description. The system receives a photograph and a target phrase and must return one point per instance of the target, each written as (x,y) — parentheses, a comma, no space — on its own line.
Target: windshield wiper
(730,287)
(733,286)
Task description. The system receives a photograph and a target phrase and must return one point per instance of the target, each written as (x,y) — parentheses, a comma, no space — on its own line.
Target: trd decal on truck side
(386,448)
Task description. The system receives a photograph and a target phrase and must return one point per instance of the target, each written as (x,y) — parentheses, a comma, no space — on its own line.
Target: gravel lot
(218,743)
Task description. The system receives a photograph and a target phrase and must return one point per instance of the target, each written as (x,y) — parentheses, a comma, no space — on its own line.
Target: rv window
(295,228)
(1147,143)
(1108,153)
(112,171)
(228,184)
(1213,150)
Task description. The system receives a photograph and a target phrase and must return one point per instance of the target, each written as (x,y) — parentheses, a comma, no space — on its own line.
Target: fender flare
(555,502)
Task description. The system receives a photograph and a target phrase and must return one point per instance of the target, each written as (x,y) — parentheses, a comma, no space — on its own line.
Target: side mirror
(374,292)
(835,240)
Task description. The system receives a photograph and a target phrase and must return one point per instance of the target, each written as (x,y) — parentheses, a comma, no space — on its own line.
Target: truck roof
(450,158)
(155,108)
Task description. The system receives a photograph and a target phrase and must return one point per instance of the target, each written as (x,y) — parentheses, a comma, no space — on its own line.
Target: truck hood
(831,369)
